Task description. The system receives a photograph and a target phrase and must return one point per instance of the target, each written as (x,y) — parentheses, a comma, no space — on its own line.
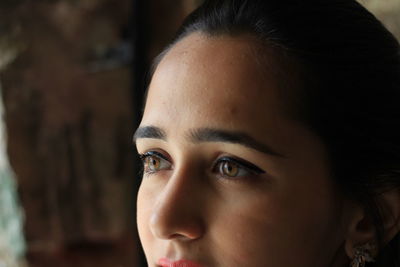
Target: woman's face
(229,180)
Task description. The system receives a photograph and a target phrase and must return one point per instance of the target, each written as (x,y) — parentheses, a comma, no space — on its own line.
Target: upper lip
(165,262)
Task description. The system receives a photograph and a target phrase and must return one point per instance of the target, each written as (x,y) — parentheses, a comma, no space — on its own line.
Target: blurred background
(71,83)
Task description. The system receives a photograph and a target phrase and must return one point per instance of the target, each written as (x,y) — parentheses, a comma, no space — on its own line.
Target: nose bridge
(177,211)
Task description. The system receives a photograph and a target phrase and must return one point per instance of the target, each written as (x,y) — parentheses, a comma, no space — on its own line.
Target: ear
(361,228)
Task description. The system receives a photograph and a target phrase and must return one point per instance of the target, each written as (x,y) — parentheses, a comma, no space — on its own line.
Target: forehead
(215,75)
(226,83)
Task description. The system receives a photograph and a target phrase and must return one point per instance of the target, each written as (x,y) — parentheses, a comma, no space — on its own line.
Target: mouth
(164,262)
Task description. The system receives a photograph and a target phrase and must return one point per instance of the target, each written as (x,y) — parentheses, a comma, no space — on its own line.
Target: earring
(362,255)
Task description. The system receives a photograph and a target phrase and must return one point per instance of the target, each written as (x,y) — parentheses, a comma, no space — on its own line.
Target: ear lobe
(360,229)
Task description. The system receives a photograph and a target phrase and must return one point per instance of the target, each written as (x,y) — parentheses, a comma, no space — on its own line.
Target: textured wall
(67,95)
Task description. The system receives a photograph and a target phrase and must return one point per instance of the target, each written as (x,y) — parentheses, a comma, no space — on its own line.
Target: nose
(177,213)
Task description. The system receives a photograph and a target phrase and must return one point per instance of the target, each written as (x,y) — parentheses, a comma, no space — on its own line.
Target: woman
(269,139)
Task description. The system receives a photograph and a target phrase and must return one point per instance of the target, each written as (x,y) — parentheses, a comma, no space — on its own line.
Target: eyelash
(250,168)
(241,165)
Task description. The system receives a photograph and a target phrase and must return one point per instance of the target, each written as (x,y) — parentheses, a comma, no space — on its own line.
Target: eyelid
(154,153)
(240,162)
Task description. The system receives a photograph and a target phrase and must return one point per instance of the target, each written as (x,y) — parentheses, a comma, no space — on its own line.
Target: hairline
(284,58)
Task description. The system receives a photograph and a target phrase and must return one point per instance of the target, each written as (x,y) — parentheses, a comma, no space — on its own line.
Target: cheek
(144,209)
(237,242)
(280,232)
(247,233)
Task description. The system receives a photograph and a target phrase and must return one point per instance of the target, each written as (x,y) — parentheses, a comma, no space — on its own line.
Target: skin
(290,215)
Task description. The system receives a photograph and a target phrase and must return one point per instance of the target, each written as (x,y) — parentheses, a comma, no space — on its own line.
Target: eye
(232,168)
(154,162)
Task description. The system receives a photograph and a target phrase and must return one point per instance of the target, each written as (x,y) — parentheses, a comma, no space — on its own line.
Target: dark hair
(350,85)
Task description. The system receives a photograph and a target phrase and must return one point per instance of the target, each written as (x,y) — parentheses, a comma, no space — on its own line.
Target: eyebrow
(202,135)
(233,137)
(149,132)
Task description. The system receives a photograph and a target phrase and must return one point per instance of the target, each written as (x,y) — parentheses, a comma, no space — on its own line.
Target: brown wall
(69,117)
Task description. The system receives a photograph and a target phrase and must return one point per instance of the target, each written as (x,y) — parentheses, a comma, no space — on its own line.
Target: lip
(164,262)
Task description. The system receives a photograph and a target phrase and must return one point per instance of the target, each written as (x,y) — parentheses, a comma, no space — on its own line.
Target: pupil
(154,162)
(229,168)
